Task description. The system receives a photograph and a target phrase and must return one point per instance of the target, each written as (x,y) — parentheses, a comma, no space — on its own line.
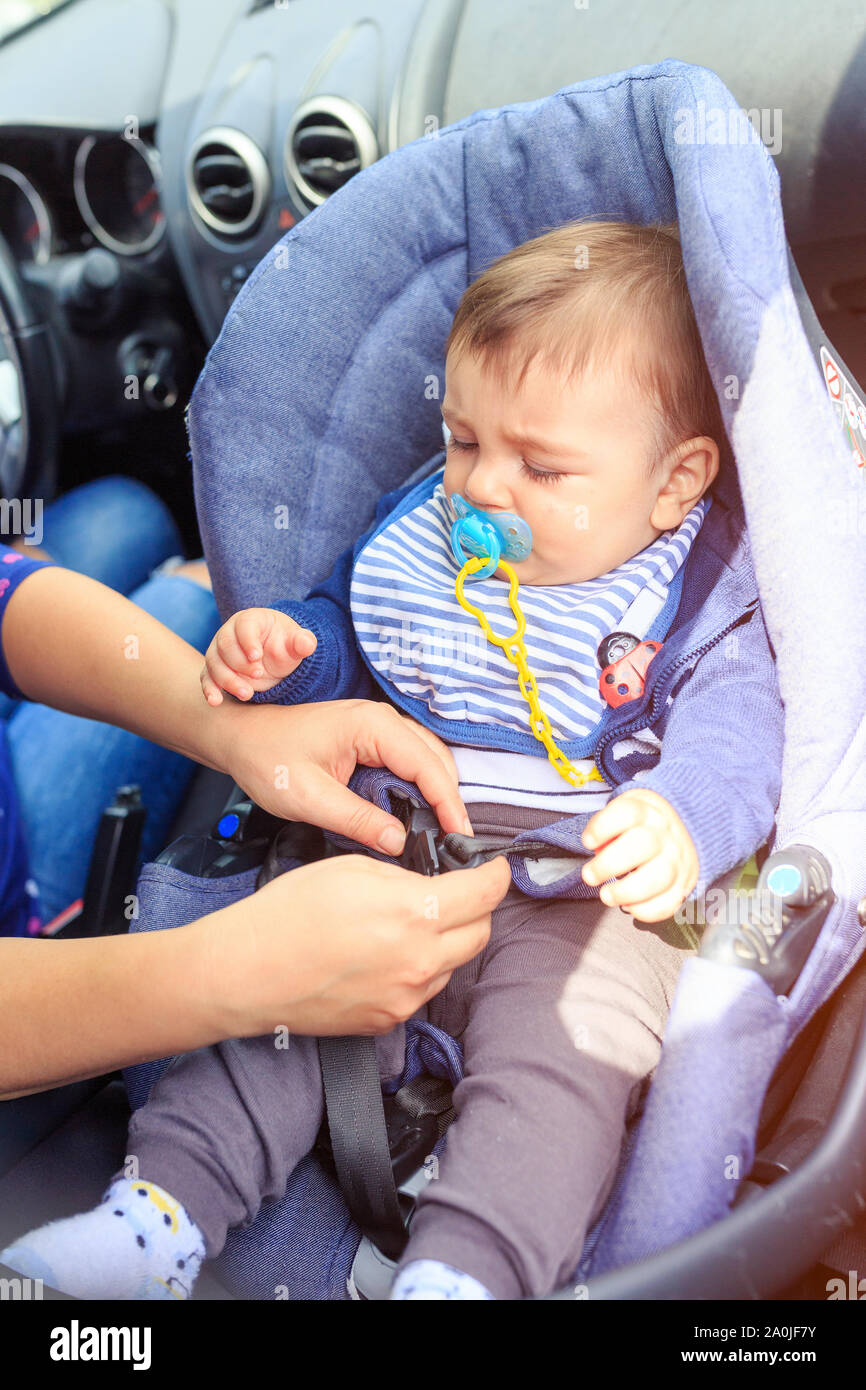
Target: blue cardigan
(711,697)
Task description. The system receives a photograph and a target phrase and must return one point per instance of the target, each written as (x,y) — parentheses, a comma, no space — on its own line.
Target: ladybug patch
(623,660)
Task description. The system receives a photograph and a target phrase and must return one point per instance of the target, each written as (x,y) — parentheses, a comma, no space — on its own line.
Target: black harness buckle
(431,850)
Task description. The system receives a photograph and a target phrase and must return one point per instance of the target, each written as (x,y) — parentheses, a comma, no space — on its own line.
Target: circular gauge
(117,192)
(24,220)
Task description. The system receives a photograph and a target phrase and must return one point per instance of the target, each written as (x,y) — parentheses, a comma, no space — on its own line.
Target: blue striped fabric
(419,640)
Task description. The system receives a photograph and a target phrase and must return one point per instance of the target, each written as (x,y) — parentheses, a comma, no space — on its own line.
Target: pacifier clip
(492,542)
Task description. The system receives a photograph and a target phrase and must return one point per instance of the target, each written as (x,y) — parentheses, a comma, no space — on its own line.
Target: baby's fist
(254,650)
(640,841)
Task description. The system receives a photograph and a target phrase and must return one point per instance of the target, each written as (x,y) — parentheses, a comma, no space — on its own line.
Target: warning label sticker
(850,411)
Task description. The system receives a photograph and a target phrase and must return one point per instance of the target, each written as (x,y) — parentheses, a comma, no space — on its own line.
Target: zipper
(651,711)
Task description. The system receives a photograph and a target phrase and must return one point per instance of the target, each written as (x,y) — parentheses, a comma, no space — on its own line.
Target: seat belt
(359,1140)
(353,1090)
(353,1101)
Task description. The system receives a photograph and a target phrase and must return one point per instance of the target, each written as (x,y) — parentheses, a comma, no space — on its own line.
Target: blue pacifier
(503,536)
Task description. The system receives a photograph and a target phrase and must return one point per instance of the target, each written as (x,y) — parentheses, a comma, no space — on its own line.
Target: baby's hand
(253,651)
(640,835)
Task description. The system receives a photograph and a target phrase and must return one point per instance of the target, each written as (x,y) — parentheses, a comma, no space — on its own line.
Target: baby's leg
(220,1133)
(563,1027)
(225,1125)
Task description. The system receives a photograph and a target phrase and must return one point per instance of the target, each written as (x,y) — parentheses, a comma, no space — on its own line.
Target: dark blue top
(18,908)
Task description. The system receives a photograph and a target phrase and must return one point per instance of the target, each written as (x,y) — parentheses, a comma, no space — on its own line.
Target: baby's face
(569,457)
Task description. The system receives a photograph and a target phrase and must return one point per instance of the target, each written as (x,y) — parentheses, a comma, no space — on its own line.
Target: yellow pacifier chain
(515,649)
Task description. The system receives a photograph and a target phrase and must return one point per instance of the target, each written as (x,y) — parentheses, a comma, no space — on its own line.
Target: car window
(20,14)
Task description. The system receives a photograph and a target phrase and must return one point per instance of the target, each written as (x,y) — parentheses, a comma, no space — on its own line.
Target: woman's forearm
(72,643)
(341,946)
(73,1009)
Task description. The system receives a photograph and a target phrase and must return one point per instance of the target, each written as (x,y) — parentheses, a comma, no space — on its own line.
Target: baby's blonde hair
(574,296)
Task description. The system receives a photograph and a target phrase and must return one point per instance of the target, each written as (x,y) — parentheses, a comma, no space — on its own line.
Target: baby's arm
(710,801)
(640,840)
(309,651)
(253,652)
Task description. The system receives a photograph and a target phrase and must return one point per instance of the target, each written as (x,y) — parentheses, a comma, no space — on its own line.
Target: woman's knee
(181,604)
(113,529)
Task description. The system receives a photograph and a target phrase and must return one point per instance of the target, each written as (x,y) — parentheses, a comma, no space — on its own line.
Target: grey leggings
(561,1018)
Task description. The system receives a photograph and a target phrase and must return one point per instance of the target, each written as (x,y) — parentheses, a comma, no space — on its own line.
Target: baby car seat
(357,299)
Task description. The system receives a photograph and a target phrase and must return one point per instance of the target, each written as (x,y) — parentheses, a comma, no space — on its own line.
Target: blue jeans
(67,769)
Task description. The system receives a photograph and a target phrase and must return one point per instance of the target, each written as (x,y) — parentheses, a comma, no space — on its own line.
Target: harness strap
(358,1128)
(359,1140)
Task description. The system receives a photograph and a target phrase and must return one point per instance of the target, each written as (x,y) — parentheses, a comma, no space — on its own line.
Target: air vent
(228,181)
(329,139)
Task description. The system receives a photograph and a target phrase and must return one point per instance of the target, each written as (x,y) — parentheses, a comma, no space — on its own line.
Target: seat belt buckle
(430,850)
(421,850)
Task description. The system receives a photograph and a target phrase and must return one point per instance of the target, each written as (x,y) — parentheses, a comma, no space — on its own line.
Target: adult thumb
(343,811)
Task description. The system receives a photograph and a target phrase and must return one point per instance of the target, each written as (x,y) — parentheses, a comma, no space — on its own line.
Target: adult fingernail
(391,840)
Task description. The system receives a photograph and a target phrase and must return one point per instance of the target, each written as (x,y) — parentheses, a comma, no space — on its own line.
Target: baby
(578,400)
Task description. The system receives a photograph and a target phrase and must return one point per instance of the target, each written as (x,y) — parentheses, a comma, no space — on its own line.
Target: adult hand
(346,945)
(295,762)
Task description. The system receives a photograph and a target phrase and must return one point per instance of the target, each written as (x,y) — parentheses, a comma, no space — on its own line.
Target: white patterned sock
(138,1243)
(430,1279)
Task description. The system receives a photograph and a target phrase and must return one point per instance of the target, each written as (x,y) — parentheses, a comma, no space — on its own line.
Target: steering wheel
(29,395)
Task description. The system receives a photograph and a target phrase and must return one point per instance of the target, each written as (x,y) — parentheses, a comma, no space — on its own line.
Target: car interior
(152,152)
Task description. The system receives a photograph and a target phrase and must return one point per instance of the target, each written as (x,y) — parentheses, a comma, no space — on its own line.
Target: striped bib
(419,640)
